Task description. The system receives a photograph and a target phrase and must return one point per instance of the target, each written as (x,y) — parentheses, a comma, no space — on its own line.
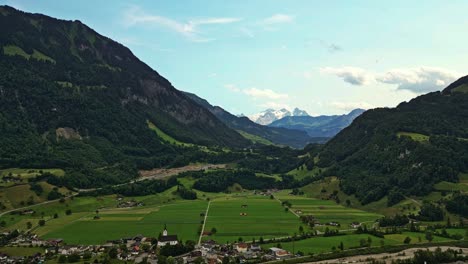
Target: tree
(348,202)
(55,215)
(87,255)
(68,212)
(429,236)
(170,260)
(113,253)
(341,247)
(62,259)
(74,258)
(41,222)
(214,230)
(301,229)
(407,240)
(29,225)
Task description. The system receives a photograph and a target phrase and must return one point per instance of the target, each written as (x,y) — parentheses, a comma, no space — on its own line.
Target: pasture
(182,219)
(451,187)
(326,211)
(249,217)
(325,244)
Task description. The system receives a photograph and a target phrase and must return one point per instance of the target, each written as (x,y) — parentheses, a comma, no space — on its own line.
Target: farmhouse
(167,239)
(242,247)
(279,253)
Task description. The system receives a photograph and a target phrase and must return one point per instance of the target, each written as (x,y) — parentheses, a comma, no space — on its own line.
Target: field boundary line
(204,223)
(289,209)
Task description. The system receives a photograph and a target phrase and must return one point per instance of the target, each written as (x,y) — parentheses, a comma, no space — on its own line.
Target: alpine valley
(103,160)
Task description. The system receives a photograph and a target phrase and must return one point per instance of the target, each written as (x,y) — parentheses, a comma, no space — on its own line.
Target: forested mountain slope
(72,98)
(403,150)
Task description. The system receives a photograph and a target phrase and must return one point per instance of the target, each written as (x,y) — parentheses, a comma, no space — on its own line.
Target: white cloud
(420,79)
(191,29)
(348,106)
(275,105)
(351,75)
(273,22)
(417,80)
(264,93)
(232,87)
(277,19)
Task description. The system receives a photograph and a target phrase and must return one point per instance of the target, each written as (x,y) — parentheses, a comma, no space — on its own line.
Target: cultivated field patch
(249,218)
(182,219)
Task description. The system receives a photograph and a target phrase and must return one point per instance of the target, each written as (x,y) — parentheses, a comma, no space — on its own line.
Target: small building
(242,247)
(166,239)
(355,224)
(279,253)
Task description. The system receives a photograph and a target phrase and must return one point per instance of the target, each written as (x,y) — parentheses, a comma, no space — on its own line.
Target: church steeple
(165,230)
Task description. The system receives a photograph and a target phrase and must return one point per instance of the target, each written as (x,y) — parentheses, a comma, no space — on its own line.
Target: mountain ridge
(318,126)
(281,136)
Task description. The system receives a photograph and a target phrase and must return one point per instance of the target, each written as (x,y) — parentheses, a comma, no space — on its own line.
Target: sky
(326,57)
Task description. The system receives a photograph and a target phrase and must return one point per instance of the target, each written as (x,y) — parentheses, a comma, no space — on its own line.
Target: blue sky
(326,57)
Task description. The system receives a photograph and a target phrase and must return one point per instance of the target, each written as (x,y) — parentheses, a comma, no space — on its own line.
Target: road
(34,205)
(204,223)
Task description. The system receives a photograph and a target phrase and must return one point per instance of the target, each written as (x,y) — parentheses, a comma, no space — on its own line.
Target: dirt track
(164,173)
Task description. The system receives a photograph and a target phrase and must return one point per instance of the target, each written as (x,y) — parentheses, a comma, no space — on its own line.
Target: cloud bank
(417,80)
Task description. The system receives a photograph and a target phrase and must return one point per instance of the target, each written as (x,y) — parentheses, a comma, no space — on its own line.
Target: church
(167,239)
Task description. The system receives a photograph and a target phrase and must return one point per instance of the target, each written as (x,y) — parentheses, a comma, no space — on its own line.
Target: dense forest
(404,150)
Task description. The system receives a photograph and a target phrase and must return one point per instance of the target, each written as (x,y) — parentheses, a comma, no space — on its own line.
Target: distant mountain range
(270,115)
(318,126)
(257,132)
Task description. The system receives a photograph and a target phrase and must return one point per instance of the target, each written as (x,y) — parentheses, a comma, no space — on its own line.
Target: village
(166,248)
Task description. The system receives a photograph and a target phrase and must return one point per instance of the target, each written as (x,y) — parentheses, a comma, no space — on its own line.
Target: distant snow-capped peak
(270,115)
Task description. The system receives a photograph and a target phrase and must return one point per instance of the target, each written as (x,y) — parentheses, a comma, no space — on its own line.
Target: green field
(182,219)
(462,88)
(21,251)
(12,50)
(324,244)
(414,136)
(166,137)
(302,172)
(255,138)
(328,211)
(265,218)
(450,186)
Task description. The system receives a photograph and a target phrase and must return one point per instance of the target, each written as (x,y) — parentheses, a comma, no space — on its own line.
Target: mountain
(299,112)
(270,115)
(72,98)
(277,135)
(318,126)
(402,151)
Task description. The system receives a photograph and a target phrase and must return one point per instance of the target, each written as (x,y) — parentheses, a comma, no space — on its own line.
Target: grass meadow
(264,217)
